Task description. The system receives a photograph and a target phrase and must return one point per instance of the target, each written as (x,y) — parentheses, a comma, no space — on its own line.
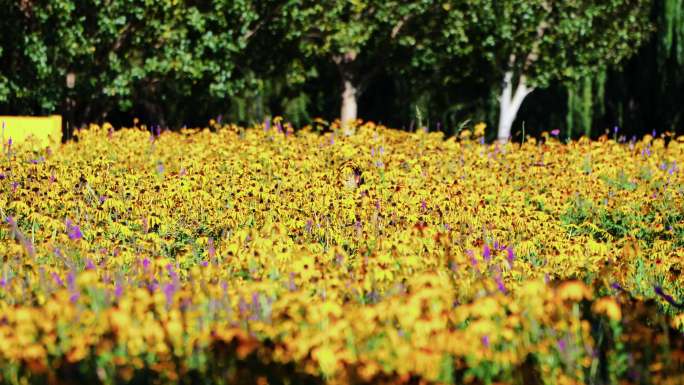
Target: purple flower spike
(511,255)
(146,263)
(204,263)
(3,283)
(485,341)
(74,297)
(73,231)
(473,260)
(500,285)
(555,132)
(89,264)
(57,279)
(561,343)
(118,290)
(212,249)
(169,291)
(172,272)
(486,253)
(291,284)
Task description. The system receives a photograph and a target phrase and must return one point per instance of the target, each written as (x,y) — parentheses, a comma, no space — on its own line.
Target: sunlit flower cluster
(378,257)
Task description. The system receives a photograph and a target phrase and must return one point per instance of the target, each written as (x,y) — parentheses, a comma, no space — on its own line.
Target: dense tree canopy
(440,62)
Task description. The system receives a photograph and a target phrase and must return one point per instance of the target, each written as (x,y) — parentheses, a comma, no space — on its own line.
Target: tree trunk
(509,104)
(349,110)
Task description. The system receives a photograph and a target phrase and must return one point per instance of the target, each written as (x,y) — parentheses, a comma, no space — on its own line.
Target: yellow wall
(47,130)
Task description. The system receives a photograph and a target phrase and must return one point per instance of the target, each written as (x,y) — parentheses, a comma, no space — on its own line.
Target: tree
(164,57)
(356,36)
(530,44)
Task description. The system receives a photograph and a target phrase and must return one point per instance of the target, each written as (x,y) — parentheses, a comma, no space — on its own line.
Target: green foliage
(156,54)
(547,41)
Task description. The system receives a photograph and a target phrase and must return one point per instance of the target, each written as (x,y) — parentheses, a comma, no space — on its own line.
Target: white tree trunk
(509,104)
(349,111)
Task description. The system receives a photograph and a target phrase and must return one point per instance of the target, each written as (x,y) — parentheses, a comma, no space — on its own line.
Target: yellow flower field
(265,255)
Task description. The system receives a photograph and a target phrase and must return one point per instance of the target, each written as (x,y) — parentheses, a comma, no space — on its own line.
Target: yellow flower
(326,359)
(480,129)
(609,307)
(574,291)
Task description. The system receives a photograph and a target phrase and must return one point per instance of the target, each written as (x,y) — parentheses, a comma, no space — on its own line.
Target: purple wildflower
(242,306)
(57,279)
(473,260)
(555,132)
(500,285)
(204,263)
(561,343)
(153,286)
(146,263)
(71,279)
(172,272)
(89,264)
(3,282)
(486,253)
(169,291)
(73,231)
(256,306)
(267,124)
(511,255)
(673,168)
(74,297)
(118,290)
(666,297)
(485,341)
(291,284)
(212,249)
